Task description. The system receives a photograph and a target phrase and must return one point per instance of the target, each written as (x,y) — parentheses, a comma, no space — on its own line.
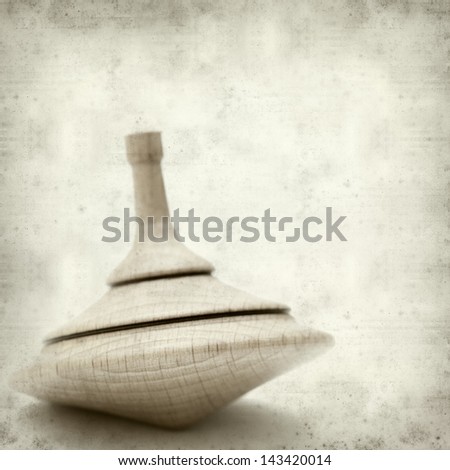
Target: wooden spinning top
(168,343)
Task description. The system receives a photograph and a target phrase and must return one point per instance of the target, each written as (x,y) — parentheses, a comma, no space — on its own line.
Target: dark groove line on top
(160,276)
(166,321)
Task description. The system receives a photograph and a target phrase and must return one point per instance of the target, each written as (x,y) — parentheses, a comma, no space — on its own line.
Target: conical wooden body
(169,343)
(164,300)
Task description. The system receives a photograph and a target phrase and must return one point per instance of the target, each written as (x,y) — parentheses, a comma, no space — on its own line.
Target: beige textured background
(292,105)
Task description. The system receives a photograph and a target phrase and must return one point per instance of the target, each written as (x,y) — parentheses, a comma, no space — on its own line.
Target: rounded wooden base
(170,375)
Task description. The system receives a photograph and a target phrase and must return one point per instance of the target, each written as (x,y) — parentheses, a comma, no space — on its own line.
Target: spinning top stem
(144,152)
(149,259)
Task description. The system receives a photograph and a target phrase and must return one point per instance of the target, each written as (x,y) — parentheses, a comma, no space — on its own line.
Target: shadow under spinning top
(168,344)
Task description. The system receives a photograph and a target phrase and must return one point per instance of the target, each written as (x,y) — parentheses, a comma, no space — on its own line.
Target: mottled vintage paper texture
(292,105)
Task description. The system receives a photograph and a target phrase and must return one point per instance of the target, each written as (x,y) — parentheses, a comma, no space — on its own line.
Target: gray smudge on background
(289,105)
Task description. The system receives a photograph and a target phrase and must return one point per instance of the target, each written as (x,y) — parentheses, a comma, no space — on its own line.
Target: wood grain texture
(164,299)
(170,375)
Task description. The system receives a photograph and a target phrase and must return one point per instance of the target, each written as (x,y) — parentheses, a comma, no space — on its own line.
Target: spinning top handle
(149,259)
(144,153)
